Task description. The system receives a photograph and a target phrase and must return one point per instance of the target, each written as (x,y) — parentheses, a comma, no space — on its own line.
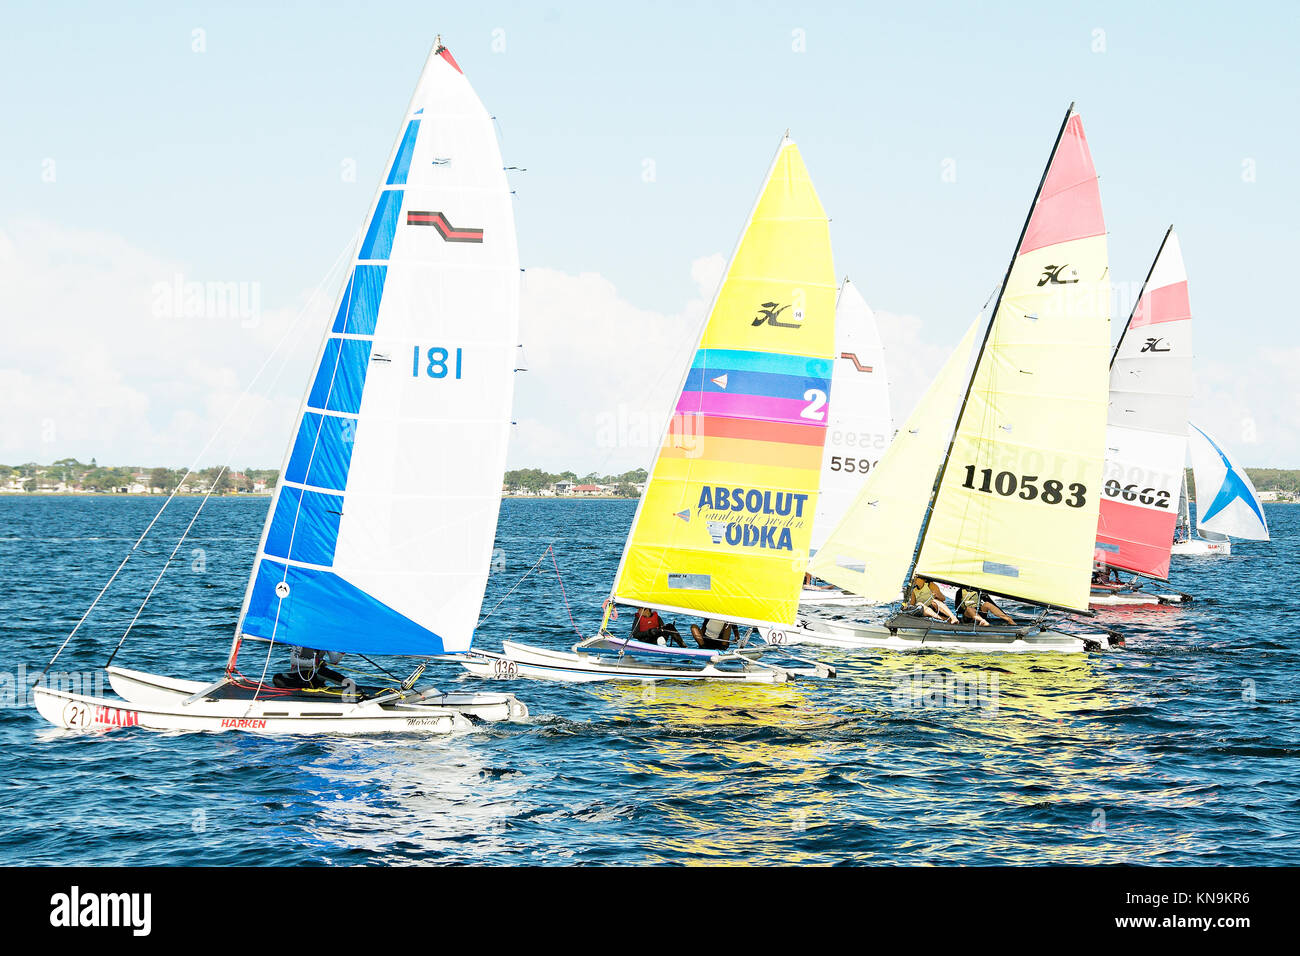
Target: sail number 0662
(1148,496)
(436,362)
(1005,483)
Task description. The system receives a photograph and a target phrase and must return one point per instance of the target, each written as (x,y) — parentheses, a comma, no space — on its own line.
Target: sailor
(308,669)
(650,628)
(975,606)
(924,597)
(713,635)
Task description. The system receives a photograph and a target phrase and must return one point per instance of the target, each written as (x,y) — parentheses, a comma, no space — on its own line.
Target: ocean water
(1183,748)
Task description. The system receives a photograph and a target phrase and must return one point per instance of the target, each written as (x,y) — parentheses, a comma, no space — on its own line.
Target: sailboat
(380,532)
(993,482)
(1151,386)
(1227,505)
(858,430)
(723,529)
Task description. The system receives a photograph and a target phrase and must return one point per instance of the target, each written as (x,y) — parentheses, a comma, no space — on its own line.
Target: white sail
(860,425)
(380,534)
(1226,502)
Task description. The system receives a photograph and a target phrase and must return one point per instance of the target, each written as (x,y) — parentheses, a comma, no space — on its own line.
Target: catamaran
(723,529)
(1151,386)
(992,484)
(859,429)
(1232,511)
(380,532)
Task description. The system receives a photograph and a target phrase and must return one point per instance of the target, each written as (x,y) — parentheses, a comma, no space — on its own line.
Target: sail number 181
(436,362)
(1005,483)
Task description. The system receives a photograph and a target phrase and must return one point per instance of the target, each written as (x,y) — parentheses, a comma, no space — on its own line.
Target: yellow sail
(723,527)
(1017,505)
(871,549)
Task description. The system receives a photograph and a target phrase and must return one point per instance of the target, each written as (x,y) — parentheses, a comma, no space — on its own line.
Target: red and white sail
(1151,384)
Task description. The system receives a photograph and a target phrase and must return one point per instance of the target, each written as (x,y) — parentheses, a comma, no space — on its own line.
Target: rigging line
(512,590)
(563,593)
(188,471)
(166,565)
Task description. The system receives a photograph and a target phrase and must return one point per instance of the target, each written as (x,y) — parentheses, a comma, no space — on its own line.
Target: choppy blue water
(1183,748)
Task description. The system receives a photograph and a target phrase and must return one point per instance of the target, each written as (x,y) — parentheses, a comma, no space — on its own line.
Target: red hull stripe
(445,229)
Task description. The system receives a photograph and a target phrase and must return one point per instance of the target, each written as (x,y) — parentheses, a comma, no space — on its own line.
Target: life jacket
(966,598)
(921,596)
(648,622)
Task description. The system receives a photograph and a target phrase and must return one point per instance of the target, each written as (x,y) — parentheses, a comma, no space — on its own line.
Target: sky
(239,144)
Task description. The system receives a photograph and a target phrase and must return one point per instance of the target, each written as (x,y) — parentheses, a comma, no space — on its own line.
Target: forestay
(1016,509)
(380,533)
(1151,385)
(1226,501)
(860,425)
(724,525)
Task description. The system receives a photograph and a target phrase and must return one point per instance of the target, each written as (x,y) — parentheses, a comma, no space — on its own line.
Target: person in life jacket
(975,606)
(649,627)
(713,635)
(924,598)
(308,669)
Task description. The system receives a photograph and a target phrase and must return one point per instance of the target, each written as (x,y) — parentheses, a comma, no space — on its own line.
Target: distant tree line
(533,480)
(75,475)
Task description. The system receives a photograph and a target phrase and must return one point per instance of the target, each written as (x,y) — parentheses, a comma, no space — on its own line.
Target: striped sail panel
(860,426)
(870,549)
(1226,501)
(1016,510)
(380,535)
(1151,385)
(724,525)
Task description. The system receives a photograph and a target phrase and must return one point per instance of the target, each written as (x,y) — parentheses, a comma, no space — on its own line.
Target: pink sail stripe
(1142,534)
(749,406)
(1070,205)
(1166,304)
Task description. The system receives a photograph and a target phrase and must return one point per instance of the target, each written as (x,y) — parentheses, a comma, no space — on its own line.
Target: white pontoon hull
(1199,547)
(153,690)
(854,635)
(521,660)
(1134,599)
(80,712)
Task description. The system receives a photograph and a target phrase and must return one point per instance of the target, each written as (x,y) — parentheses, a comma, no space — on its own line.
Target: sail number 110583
(436,362)
(1006,483)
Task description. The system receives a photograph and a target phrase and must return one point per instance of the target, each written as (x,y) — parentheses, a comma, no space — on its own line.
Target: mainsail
(1016,509)
(870,549)
(1151,384)
(724,525)
(1226,501)
(380,534)
(860,426)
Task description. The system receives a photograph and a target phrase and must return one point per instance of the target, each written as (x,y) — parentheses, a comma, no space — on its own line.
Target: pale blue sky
(229,160)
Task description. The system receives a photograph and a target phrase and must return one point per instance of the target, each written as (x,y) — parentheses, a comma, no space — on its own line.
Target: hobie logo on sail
(770,313)
(1052,274)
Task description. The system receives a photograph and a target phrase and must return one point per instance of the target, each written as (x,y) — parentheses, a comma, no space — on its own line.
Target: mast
(979,355)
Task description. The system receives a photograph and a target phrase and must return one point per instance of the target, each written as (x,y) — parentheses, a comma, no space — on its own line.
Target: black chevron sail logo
(445,229)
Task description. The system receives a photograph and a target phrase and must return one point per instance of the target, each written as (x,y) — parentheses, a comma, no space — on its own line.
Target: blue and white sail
(380,534)
(1226,501)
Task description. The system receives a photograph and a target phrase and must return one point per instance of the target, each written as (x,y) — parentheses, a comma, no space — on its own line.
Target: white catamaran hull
(855,635)
(521,660)
(1135,599)
(1199,547)
(81,712)
(153,690)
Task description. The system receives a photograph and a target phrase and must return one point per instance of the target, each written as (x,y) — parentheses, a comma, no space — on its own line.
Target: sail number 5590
(1006,483)
(436,362)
